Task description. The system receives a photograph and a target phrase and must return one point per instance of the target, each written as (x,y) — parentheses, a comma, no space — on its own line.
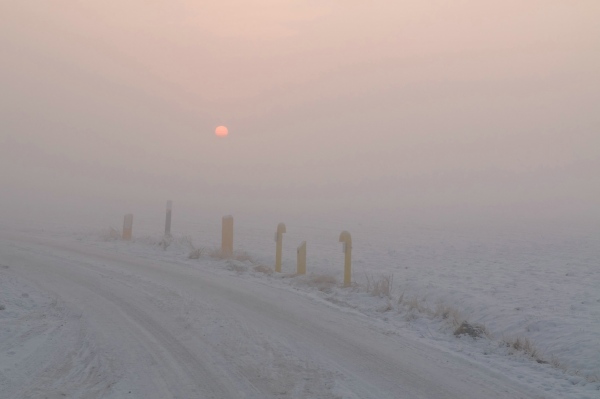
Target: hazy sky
(434,108)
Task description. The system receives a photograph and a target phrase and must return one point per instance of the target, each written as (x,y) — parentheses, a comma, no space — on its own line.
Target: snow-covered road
(90,323)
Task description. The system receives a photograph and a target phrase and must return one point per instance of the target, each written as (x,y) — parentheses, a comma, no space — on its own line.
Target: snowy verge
(394,308)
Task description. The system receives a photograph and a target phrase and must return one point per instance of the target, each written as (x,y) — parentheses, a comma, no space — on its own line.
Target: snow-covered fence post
(347,240)
(127,226)
(227,236)
(168,218)
(301,264)
(278,246)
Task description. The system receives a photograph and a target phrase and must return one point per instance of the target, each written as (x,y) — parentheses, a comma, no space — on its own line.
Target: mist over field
(480,112)
(414,189)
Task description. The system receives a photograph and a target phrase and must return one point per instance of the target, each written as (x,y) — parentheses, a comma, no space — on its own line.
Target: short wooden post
(347,240)
(227,236)
(278,246)
(127,227)
(168,218)
(301,265)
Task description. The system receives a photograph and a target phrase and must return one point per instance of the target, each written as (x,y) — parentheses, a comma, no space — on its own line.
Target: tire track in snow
(49,350)
(362,362)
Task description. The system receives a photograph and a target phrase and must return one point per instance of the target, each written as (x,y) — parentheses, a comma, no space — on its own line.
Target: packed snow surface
(85,314)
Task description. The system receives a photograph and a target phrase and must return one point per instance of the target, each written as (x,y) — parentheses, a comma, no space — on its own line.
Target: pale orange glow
(221,131)
(464,110)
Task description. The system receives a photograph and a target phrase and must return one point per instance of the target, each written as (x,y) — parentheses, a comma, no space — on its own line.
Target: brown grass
(449,313)
(383,288)
(196,253)
(524,345)
(472,330)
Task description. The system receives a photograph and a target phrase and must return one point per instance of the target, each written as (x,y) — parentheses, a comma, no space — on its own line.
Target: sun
(221,131)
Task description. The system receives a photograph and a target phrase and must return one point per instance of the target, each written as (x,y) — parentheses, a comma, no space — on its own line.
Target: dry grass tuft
(243,257)
(323,282)
(557,364)
(449,313)
(263,269)
(411,315)
(387,307)
(196,253)
(110,234)
(472,330)
(414,304)
(218,254)
(165,242)
(322,279)
(524,345)
(383,288)
(187,240)
(593,379)
(239,256)
(236,266)
(400,299)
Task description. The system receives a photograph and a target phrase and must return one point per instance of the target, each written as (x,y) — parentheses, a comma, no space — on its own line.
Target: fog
(478,111)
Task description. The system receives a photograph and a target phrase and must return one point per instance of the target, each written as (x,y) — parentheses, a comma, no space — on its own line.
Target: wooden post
(301,265)
(227,236)
(278,246)
(347,240)
(127,227)
(168,218)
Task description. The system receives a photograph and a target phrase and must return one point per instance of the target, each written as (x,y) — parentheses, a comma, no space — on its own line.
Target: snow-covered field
(536,285)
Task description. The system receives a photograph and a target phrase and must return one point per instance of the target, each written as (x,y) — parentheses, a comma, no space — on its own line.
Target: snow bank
(525,285)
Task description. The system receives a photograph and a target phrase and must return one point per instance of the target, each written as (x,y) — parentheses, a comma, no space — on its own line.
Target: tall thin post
(227,236)
(301,264)
(168,218)
(347,240)
(127,227)
(278,246)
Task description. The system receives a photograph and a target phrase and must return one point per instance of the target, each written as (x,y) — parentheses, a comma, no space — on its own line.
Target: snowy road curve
(117,326)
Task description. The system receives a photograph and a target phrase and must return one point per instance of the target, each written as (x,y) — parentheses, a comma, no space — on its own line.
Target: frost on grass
(472,330)
(196,253)
(323,282)
(165,241)
(379,287)
(263,269)
(449,313)
(382,287)
(240,256)
(524,345)
(237,266)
